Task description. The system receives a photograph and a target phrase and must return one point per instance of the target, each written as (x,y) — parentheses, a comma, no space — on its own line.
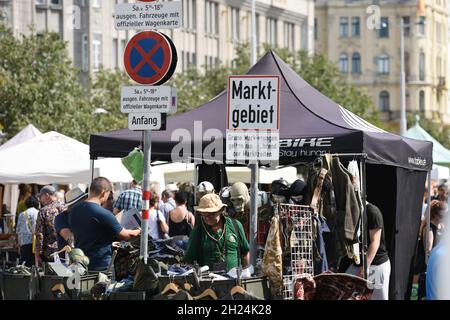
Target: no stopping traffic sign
(150,58)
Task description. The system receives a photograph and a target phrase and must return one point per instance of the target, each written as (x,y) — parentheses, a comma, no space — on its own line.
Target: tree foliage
(40,86)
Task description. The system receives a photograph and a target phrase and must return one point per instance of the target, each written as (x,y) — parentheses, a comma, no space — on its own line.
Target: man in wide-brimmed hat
(217,241)
(63,233)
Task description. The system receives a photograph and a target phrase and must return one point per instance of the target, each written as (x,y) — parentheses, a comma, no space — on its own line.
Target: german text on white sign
(252,145)
(253,103)
(148,98)
(144,121)
(156,15)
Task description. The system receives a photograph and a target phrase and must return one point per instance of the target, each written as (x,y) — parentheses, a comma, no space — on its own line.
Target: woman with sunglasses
(217,241)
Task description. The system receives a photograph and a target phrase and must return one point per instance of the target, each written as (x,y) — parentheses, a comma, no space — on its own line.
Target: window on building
(114,53)
(211,15)
(422,66)
(438,32)
(316,29)
(406,26)
(289,36)
(97,3)
(422,101)
(258,31)
(97,50)
(40,2)
(439,67)
(56,2)
(235,24)
(304,36)
(356,63)
(343,63)
(407,66)
(85,53)
(356,29)
(190,14)
(383,64)
(343,27)
(384,28)
(384,101)
(421,26)
(271,31)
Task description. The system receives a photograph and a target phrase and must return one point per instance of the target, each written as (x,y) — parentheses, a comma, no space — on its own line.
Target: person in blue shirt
(95,228)
(437,286)
(63,233)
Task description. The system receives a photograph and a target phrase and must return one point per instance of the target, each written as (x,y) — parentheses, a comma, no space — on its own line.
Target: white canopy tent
(53,158)
(27,133)
(11,191)
(185,172)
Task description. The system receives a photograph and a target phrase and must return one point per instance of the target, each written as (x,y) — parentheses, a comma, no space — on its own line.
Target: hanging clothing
(346,201)
(320,253)
(272,266)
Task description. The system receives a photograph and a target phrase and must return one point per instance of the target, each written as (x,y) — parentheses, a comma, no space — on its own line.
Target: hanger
(170,287)
(187,286)
(207,293)
(237,289)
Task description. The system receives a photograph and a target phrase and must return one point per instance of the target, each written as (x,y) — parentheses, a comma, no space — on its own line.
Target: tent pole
(196,182)
(253,232)
(92,170)
(428,215)
(362,169)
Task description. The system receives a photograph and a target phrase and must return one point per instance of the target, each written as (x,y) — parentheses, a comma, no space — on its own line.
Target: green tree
(39,85)
(104,92)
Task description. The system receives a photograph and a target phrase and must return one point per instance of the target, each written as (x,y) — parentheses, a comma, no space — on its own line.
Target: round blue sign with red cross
(150,58)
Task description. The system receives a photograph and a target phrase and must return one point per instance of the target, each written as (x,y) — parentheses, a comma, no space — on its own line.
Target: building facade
(211,28)
(363,38)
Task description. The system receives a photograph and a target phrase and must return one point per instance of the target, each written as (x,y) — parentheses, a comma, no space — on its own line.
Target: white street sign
(253,102)
(155,15)
(253,118)
(162,99)
(253,145)
(144,121)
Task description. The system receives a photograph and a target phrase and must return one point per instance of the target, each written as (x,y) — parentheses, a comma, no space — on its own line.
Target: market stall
(393,168)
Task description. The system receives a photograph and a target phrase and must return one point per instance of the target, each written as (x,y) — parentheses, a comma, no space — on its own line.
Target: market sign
(162,99)
(141,16)
(147,121)
(253,120)
(150,58)
(253,103)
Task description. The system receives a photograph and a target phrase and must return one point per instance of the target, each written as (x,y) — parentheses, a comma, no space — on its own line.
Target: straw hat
(210,203)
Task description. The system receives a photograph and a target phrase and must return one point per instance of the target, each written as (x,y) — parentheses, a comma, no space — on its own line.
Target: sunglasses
(210,214)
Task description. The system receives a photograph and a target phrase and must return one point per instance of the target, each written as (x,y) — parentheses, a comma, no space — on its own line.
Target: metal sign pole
(362,170)
(146,194)
(428,216)
(253,232)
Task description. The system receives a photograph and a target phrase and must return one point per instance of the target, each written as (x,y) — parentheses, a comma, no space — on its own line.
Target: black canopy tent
(310,125)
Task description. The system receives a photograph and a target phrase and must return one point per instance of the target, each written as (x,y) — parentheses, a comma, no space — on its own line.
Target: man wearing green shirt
(217,239)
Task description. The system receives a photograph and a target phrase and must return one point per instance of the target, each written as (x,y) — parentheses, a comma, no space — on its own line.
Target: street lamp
(100,111)
(403,125)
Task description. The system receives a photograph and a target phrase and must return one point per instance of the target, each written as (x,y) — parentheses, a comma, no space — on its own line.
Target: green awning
(441,155)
